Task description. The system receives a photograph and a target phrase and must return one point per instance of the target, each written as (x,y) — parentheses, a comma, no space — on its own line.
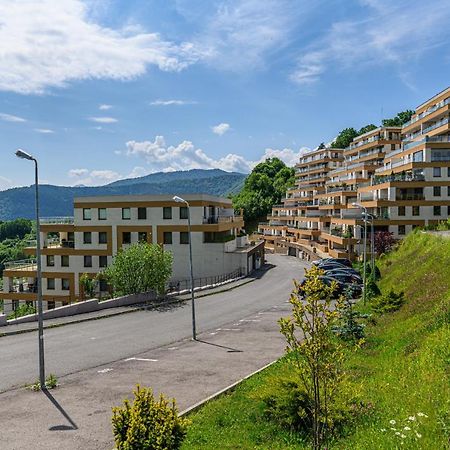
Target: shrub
(22,310)
(349,327)
(148,424)
(389,302)
(372,289)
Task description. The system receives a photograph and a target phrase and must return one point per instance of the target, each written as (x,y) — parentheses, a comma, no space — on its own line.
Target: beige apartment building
(102,226)
(400,174)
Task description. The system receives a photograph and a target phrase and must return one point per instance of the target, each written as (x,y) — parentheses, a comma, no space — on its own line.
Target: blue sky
(105,89)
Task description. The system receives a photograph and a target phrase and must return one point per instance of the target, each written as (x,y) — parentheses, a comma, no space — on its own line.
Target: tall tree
(400,119)
(263,188)
(367,128)
(344,138)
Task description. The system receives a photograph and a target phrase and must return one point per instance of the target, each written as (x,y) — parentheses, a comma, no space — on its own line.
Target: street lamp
(181,200)
(24,155)
(357,205)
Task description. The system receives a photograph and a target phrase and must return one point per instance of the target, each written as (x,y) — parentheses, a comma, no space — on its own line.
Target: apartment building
(102,226)
(400,174)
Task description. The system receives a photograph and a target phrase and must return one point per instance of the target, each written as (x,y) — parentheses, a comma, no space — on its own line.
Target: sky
(105,89)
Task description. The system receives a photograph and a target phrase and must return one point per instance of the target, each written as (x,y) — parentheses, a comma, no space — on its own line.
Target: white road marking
(141,359)
(231,329)
(172,348)
(105,370)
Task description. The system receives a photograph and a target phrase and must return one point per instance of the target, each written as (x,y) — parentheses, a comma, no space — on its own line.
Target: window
(51,305)
(418,156)
(448,191)
(448,210)
(126,213)
(102,214)
(142,236)
(436,191)
(401,230)
(401,211)
(50,261)
(103,286)
(65,284)
(167,237)
(436,171)
(51,284)
(416,210)
(448,171)
(87,214)
(88,261)
(102,237)
(103,261)
(183,212)
(87,237)
(167,212)
(65,262)
(184,237)
(436,210)
(142,213)
(126,237)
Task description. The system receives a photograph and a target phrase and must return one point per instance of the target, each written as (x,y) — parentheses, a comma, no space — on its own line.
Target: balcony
(428,112)
(435,125)
(24,264)
(57,220)
(222,219)
(396,177)
(51,243)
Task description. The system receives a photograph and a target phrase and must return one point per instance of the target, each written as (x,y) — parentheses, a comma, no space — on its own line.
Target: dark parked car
(343,261)
(341,286)
(350,277)
(336,266)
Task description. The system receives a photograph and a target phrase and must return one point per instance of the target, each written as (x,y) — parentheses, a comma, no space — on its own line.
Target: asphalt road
(72,348)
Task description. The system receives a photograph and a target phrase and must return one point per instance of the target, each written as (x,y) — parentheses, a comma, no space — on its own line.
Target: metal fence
(178,286)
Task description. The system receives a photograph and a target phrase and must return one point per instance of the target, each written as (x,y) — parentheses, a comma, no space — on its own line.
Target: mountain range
(58,200)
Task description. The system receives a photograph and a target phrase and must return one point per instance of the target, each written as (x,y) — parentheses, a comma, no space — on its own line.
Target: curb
(140,308)
(224,391)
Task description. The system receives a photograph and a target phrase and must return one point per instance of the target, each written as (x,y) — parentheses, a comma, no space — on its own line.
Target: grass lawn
(403,370)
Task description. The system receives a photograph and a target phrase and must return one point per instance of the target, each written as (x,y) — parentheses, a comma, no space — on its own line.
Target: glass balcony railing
(428,112)
(57,220)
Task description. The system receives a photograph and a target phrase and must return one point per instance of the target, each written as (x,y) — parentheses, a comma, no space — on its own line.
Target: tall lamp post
(24,155)
(357,205)
(181,200)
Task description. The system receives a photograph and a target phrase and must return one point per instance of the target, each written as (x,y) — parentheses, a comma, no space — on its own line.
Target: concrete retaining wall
(83,307)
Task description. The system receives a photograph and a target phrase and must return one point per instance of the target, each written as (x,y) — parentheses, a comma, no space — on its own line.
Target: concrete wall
(84,307)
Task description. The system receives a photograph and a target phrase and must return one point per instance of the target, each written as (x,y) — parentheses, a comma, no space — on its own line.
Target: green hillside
(402,371)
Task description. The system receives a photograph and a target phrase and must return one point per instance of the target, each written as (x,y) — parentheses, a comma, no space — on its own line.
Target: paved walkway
(78,413)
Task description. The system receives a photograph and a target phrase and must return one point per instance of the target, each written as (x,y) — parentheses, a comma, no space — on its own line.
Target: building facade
(400,174)
(102,226)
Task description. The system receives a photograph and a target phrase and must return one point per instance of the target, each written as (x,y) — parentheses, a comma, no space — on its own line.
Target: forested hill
(58,200)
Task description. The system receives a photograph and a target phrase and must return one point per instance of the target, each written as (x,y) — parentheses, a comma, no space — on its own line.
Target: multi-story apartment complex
(400,174)
(101,226)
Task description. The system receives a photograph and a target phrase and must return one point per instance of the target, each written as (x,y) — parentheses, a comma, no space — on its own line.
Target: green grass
(403,369)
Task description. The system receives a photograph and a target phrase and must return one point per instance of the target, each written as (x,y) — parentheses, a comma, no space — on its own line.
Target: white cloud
(389,33)
(44,130)
(242,34)
(162,157)
(104,107)
(172,102)
(5,183)
(137,172)
(221,129)
(94,177)
(11,118)
(103,120)
(50,43)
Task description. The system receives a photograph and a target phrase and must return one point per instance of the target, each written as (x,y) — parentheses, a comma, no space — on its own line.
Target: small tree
(148,424)
(140,268)
(317,353)
(384,241)
(87,284)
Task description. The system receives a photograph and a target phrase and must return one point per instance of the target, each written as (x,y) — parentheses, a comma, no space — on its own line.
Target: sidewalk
(77,415)
(95,315)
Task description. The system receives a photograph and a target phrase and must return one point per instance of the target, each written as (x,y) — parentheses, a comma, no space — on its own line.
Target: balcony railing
(24,264)
(435,125)
(57,220)
(222,219)
(428,112)
(396,177)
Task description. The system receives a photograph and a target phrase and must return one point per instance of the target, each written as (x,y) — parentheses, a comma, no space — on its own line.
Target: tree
(383,241)
(321,146)
(15,229)
(263,188)
(140,268)
(87,284)
(367,128)
(317,353)
(344,138)
(400,119)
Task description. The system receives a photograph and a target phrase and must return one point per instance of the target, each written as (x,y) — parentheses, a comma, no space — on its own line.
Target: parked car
(342,287)
(336,266)
(343,261)
(351,277)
